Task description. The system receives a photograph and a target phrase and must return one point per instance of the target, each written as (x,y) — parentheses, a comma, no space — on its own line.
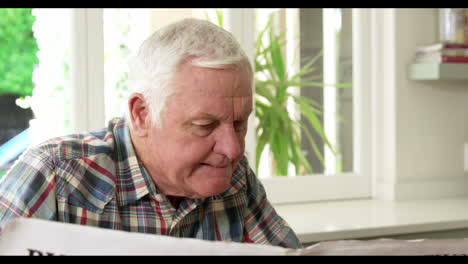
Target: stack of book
(442,53)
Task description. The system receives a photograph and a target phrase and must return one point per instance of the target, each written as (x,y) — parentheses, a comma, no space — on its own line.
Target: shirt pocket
(70,211)
(81,183)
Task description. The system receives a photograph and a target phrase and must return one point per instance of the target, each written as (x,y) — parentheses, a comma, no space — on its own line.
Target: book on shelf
(446,52)
(441,46)
(439,58)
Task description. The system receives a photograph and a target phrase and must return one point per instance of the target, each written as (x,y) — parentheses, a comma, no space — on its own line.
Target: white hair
(200,42)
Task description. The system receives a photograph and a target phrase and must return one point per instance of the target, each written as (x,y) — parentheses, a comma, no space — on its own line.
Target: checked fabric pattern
(96,179)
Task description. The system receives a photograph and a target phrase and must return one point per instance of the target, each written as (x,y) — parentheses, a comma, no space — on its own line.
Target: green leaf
(219,16)
(313,144)
(306,110)
(315,107)
(275,126)
(308,67)
(279,147)
(18,51)
(302,160)
(277,57)
(261,142)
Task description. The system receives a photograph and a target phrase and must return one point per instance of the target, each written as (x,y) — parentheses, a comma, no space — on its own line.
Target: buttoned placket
(172,217)
(186,206)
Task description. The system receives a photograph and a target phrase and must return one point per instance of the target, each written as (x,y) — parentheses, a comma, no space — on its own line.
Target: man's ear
(139,114)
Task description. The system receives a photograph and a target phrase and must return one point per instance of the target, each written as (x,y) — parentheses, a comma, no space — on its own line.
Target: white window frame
(318,187)
(87,70)
(239,22)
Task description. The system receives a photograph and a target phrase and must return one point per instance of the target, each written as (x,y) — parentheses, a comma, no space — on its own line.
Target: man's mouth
(219,166)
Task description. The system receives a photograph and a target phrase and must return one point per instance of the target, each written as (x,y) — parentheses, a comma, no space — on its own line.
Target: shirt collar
(133,181)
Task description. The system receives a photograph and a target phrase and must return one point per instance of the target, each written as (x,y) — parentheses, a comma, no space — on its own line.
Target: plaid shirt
(96,179)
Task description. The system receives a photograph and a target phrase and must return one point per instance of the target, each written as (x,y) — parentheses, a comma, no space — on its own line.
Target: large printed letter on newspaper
(35,237)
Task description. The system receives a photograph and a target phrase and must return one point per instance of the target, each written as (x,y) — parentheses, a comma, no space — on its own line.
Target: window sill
(354,219)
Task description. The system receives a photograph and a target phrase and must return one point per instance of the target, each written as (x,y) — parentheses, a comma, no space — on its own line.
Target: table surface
(334,220)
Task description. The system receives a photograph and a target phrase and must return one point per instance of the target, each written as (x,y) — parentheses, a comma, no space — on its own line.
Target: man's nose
(228,143)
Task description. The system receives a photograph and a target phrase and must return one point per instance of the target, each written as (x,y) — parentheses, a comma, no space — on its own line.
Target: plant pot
(13,119)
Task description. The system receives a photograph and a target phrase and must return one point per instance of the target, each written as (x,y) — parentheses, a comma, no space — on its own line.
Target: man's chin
(208,181)
(212,186)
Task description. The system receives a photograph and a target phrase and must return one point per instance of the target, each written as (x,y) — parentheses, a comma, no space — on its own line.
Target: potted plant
(273,90)
(276,127)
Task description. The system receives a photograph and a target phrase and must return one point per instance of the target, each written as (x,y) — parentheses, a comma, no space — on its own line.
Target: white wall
(426,121)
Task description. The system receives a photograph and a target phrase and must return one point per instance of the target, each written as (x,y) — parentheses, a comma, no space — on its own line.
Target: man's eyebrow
(205,115)
(202,116)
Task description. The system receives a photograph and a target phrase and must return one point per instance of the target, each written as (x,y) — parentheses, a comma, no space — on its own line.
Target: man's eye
(203,129)
(205,125)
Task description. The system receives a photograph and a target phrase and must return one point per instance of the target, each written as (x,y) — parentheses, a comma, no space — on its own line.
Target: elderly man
(174,165)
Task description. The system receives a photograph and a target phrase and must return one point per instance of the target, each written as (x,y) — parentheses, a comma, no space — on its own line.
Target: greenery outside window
(18,58)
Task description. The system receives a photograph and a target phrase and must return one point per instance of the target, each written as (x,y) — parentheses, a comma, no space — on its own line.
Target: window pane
(124,30)
(304,34)
(37,58)
(51,97)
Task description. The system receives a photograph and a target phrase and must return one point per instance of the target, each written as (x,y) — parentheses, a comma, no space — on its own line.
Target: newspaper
(36,237)
(30,236)
(390,247)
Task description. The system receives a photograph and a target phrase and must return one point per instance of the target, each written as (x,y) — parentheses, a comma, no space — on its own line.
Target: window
(307,32)
(38,61)
(124,30)
(339,33)
(102,40)
(51,96)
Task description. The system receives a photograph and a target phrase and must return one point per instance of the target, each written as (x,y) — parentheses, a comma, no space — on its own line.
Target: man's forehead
(224,82)
(214,115)
(209,103)
(211,107)
(235,94)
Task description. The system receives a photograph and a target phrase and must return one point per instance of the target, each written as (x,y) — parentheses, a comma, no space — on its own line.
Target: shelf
(438,71)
